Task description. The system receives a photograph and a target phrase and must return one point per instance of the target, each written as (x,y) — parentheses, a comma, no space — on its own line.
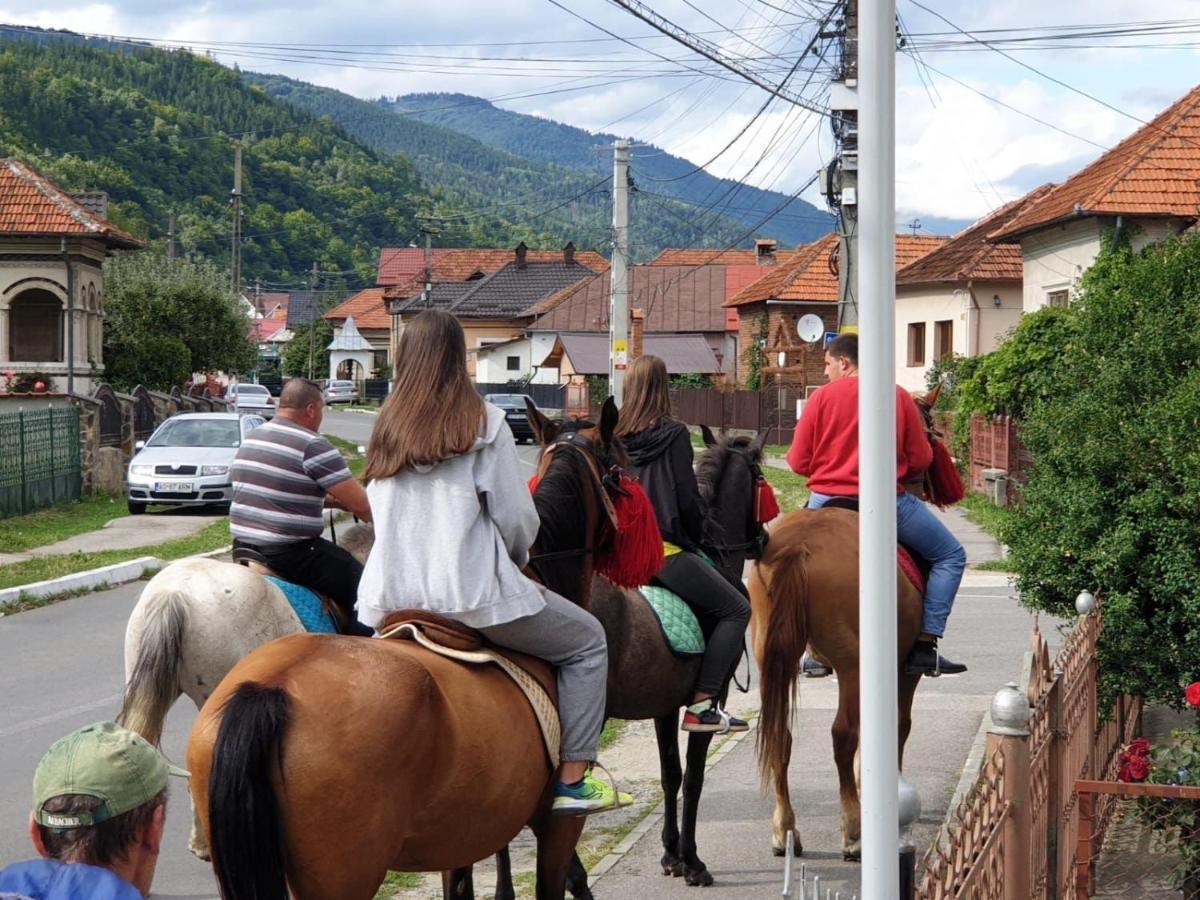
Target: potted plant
(1175,762)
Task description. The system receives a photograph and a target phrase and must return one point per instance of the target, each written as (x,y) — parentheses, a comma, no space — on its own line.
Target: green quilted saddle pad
(678,622)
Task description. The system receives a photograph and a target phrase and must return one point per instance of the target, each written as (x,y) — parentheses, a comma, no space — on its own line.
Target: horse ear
(760,441)
(932,396)
(608,420)
(706,432)
(544,430)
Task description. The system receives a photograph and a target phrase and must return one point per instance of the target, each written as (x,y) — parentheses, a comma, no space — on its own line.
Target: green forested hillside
(156,130)
(553,142)
(482,185)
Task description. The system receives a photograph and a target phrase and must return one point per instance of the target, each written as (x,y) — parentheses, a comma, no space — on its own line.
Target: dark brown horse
(646,680)
(321,762)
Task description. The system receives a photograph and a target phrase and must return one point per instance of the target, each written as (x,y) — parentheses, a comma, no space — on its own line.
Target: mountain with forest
(653,170)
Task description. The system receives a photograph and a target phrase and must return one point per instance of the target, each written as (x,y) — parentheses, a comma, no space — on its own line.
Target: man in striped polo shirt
(284,475)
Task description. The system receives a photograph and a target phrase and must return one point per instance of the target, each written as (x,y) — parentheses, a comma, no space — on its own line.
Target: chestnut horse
(646,680)
(320,762)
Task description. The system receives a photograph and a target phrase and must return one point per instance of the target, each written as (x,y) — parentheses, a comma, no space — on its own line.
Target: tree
(165,319)
(307,353)
(1112,502)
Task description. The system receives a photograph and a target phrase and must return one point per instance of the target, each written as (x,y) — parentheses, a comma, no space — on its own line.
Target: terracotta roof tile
(31,204)
(367,308)
(1153,172)
(810,276)
(399,265)
(968,255)
(683,256)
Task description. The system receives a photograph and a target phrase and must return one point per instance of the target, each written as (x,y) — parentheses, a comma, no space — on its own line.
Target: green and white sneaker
(588,795)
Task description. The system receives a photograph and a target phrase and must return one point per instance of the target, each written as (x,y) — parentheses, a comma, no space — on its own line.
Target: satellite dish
(810,328)
(782,359)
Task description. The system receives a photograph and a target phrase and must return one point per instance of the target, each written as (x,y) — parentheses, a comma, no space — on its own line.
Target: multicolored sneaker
(706,716)
(588,795)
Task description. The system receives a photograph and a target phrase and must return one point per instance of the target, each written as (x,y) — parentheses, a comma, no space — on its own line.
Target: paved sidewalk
(126,533)
(988,630)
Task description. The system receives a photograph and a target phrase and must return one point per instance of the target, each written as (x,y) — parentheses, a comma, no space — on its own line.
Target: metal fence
(1015,835)
(39,459)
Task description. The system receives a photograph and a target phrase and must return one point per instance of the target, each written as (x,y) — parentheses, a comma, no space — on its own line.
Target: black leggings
(717,602)
(323,567)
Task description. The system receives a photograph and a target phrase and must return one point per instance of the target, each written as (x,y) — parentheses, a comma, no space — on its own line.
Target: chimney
(569,253)
(764,251)
(95,202)
(520,252)
(637,334)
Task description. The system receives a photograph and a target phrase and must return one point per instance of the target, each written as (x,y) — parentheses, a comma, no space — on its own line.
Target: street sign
(620,349)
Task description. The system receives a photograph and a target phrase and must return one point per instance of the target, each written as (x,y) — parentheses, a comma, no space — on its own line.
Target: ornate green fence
(39,459)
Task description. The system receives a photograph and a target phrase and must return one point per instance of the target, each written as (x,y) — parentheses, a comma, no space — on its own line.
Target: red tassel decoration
(766,507)
(533,483)
(943,484)
(637,552)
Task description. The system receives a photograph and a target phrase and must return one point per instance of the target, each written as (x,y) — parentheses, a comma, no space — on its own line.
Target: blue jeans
(917,527)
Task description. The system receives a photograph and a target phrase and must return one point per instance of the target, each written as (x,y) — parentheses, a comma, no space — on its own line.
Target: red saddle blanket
(908,565)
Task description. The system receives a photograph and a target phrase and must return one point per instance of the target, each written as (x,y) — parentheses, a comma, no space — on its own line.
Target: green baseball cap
(105,761)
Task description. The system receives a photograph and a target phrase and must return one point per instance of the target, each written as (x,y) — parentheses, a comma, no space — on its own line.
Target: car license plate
(173,487)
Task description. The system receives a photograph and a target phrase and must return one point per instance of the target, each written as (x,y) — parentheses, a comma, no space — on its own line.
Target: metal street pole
(877,446)
(618,317)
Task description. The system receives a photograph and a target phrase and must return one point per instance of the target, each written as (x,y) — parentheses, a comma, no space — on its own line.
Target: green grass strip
(57,523)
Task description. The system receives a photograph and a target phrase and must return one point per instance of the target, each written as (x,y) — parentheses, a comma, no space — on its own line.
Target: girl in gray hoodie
(454,522)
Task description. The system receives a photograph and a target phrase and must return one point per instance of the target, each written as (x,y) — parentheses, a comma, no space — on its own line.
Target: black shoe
(713,720)
(924,659)
(811,668)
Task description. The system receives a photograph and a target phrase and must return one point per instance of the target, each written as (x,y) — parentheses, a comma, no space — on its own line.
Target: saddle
(911,563)
(536,678)
(317,613)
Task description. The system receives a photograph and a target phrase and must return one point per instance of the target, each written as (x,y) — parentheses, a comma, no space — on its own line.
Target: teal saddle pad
(678,622)
(307,604)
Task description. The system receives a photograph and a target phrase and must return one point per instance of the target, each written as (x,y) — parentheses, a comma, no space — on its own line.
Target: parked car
(514,413)
(341,392)
(186,461)
(252,398)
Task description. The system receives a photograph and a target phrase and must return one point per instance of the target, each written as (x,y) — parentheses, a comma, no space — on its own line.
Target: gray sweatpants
(573,640)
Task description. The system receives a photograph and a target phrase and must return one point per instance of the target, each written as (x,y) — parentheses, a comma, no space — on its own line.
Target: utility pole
(171,236)
(313,277)
(427,290)
(877,453)
(258,296)
(842,184)
(236,200)
(618,315)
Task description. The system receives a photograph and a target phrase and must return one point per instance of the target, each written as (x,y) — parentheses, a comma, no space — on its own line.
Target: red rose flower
(1193,694)
(1139,768)
(1140,747)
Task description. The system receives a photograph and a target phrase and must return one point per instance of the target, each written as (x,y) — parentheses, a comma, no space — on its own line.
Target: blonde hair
(434,411)
(646,399)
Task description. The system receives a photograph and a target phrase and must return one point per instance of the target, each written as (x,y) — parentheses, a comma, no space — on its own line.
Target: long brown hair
(646,399)
(434,411)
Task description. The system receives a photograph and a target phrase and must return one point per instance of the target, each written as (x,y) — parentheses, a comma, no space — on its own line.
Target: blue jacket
(48,879)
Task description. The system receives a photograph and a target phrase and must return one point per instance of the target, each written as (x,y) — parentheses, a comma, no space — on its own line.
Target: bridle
(757,542)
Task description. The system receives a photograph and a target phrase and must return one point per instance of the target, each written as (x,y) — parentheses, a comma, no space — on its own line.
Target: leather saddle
(256,562)
(455,636)
(912,563)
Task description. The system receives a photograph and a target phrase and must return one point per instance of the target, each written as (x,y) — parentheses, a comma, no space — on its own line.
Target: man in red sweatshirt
(825,448)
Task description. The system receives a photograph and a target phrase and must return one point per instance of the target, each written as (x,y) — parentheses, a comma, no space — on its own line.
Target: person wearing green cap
(99,805)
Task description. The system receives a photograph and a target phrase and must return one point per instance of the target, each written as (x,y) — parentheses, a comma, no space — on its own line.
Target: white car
(251,398)
(186,461)
(341,392)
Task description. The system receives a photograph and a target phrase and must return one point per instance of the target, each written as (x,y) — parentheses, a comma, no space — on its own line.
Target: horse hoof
(201,853)
(671,865)
(853,853)
(698,877)
(780,849)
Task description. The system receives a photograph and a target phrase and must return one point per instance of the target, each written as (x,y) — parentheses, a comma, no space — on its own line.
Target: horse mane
(713,460)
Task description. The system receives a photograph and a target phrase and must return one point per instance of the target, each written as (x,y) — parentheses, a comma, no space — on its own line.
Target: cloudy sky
(959,153)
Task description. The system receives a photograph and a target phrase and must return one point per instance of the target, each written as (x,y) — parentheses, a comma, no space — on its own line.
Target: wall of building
(805,362)
(492,365)
(1056,257)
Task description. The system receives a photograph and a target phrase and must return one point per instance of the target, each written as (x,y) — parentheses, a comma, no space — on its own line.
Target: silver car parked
(186,461)
(251,398)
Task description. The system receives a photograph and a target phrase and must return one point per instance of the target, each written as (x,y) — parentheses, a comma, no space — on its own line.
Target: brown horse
(805,590)
(321,762)
(646,680)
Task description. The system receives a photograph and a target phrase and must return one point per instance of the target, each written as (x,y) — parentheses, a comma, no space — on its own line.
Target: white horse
(194,622)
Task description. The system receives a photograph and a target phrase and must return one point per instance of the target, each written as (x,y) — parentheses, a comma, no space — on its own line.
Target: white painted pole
(877,447)
(618,318)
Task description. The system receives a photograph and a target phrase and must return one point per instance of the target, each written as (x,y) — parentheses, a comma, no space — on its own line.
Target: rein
(758,539)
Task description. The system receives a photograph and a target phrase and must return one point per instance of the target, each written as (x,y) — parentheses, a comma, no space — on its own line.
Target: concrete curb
(655,815)
(105,576)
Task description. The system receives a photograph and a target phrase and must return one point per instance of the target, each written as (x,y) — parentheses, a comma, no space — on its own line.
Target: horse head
(728,475)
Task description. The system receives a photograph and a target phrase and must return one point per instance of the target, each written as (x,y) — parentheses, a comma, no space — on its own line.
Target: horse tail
(244,819)
(153,683)
(781,583)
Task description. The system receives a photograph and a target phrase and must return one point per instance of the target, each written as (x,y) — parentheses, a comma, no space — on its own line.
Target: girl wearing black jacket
(661,452)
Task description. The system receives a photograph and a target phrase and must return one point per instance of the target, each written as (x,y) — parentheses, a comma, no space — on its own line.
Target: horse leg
(784,818)
(666,730)
(695,872)
(459,884)
(908,688)
(556,840)
(845,749)
(504,882)
(577,879)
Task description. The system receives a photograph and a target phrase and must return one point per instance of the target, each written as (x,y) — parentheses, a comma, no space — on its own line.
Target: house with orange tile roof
(1145,188)
(962,297)
(771,307)
(52,249)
